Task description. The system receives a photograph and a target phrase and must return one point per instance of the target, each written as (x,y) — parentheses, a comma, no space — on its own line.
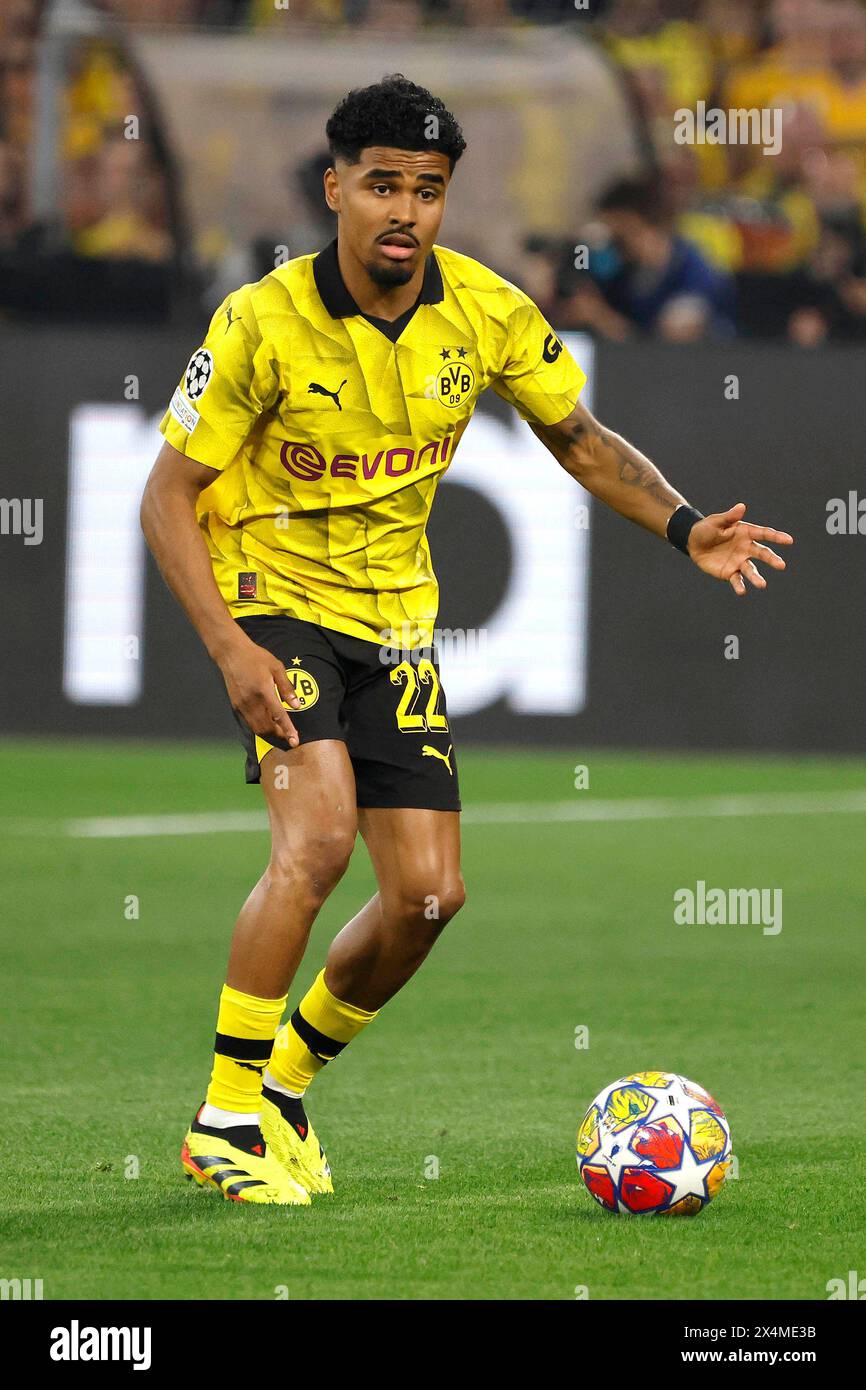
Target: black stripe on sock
(321,1046)
(243,1049)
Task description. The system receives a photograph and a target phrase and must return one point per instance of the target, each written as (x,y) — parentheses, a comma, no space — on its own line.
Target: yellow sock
(244,1038)
(317,1031)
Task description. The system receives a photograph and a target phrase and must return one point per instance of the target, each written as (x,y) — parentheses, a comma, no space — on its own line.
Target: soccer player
(287,512)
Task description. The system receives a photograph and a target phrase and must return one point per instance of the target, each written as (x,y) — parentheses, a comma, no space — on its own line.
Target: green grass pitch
(107,1028)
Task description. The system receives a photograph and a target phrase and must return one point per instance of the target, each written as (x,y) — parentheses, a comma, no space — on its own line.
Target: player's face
(391,206)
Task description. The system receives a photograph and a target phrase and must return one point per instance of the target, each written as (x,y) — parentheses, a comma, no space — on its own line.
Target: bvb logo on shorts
(454,382)
(305,687)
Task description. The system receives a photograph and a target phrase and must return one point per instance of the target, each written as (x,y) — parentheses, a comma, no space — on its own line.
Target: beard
(389,277)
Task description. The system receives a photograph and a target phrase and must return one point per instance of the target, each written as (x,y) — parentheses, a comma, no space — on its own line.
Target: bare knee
(451,897)
(429,905)
(313,864)
(416,916)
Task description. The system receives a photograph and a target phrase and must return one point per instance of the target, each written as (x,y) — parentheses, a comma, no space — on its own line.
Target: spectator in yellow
(127,228)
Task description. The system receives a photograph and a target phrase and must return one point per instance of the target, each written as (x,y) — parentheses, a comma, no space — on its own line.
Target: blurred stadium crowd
(710,240)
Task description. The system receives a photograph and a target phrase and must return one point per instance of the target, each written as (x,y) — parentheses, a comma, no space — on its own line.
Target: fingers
(729,520)
(767,533)
(750,572)
(265,713)
(284,686)
(284,727)
(754,576)
(265,716)
(268,718)
(743,547)
(732,520)
(277,713)
(745,569)
(767,556)
(259,689)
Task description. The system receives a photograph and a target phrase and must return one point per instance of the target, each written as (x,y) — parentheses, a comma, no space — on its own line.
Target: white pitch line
(612,810)
(134,827)
(669,808)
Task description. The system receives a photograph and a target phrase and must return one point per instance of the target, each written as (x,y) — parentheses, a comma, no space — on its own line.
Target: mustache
(396,231)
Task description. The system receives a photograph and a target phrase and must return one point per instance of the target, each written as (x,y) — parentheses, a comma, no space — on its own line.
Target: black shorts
(390,713)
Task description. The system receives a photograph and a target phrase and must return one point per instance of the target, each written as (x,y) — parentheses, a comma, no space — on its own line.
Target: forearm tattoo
(584,441)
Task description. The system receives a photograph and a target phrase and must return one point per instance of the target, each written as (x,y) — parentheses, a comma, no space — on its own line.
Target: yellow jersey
(331,430)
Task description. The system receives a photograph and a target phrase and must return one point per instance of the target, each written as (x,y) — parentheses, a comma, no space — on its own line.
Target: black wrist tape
(680,525)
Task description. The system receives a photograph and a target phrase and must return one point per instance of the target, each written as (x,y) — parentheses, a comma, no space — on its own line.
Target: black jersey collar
(339,302)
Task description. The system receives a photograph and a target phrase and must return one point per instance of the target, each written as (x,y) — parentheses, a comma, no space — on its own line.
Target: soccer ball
(654,1143)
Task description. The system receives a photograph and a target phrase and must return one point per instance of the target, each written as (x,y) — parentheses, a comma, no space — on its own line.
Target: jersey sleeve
(538,376)
(227,384)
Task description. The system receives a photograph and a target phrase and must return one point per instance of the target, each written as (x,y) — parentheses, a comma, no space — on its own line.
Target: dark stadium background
(112,257)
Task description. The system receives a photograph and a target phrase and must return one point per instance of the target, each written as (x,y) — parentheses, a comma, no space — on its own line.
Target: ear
(331,184)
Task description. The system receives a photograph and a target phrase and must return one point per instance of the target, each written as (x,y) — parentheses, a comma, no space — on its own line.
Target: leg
(416,857)
(313,826)
(311,798)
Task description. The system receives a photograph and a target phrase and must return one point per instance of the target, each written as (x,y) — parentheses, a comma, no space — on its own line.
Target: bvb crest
(306,686)
(455,381)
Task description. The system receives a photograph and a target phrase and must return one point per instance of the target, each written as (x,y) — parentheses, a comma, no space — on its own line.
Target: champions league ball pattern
(198,374)
(654,1143)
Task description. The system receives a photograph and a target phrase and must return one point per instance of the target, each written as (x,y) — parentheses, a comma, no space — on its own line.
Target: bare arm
(722,545)
(168,520)
(611,469)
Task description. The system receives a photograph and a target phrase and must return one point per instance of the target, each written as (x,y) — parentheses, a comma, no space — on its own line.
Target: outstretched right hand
(259,689)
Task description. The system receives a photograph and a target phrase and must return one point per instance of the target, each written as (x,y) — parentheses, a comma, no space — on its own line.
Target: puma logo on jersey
(318,390)
(428,751)
(250,1066)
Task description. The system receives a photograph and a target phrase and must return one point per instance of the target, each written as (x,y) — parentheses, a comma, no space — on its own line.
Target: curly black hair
(394,112)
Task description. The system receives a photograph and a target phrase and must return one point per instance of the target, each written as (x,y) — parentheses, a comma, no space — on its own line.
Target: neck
(381,301)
